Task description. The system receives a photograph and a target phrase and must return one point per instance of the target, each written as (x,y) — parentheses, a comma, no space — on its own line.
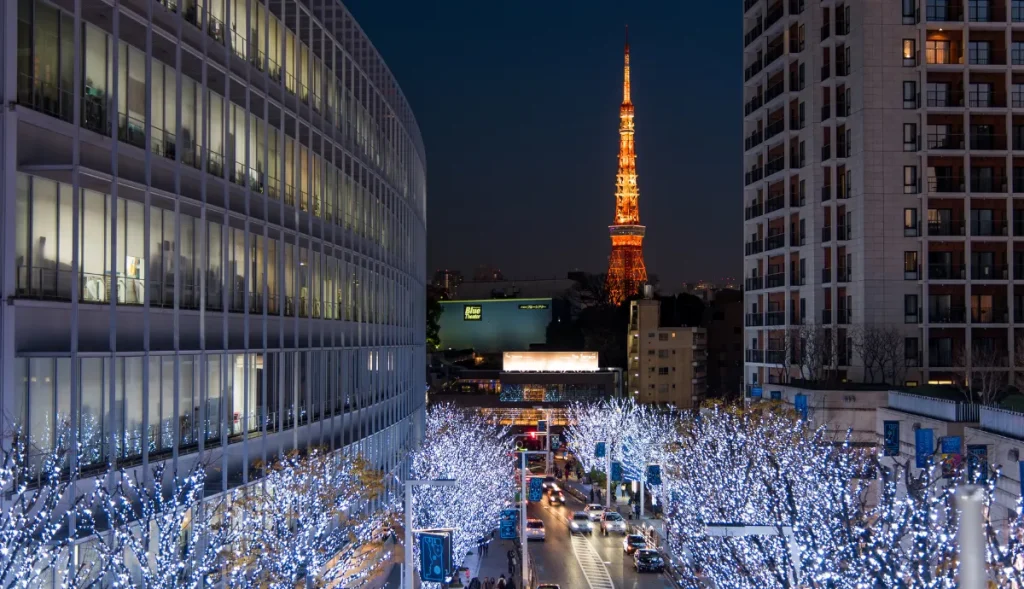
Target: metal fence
(943,409)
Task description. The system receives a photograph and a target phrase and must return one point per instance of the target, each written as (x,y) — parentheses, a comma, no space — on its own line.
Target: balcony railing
(946,271)
(754,319)
(774,129)
(989,272)
(826,112)
(988,142)
(946,228)
(776,165)
(754,175)
(948,315)
(826,193)
(944,98)
(753,69)
(775,13)
(826,316)
(994,183)
(946,183)
(753,33)
(826,30)
(773,242)
(773,53)
(844,275)
(774,91)
(774,203)
(754,283)
(755,356)
(987,57)
(1002,421)
(753,104)
(775,318)
(826,71)
(936,408)
(755,139)
(775,280)
(844,316)
(944,141)
(988,228)
(775,356)
(990,315)
(826,233)
(826,275)
(748,4)
(826,152)
(844,233)
(753,211)
(796,7)
(985,99)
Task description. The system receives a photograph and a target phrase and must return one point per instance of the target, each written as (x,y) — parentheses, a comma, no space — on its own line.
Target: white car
(580,522)
(534,529)
(594,511)
(612,522)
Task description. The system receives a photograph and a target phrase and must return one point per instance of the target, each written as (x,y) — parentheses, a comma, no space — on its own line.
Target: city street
(583,561)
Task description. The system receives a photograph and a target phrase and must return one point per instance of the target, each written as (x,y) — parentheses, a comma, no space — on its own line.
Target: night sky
(518,105)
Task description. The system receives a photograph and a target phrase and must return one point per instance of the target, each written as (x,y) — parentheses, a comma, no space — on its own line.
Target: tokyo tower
(626,271)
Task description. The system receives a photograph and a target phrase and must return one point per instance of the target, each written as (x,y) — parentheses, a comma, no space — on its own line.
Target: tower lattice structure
(626,271)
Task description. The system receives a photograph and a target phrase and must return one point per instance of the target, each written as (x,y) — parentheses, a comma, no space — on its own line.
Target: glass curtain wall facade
(214,233)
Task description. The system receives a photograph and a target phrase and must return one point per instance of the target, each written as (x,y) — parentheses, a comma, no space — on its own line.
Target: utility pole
(522,519)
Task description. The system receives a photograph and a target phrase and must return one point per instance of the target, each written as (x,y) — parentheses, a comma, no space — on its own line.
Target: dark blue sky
(518,104)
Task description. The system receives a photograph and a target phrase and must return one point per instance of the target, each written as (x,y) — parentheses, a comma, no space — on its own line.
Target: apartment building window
(940,351)
(663,388)
(910,185)
(909,12)
(979,52)
(936,52)
(909,136)
(663,353)
(662,370)
(980,94)
(909,52)
(911,351)
(910,307)
(979,10)
(1016,95)
(910,94)
(910,226)
(910,269)
(1017,10)
(662,337)
(1017,53)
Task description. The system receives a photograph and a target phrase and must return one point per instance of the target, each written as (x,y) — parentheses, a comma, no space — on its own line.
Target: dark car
(632,543)
(556,496)
(646,560)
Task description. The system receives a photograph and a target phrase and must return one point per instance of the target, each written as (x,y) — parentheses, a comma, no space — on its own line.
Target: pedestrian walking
(512,566)
(487,547)
(591,494)
(501,582)
(510,585)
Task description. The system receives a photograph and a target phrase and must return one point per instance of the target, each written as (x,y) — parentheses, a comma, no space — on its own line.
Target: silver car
(580,523)
(612,523)
(534,529)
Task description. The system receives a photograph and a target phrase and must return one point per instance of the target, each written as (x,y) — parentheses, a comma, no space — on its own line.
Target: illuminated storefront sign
(534,307)
(550,362)
(472,312)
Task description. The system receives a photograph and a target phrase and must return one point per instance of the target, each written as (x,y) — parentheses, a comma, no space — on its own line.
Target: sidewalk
(494,564)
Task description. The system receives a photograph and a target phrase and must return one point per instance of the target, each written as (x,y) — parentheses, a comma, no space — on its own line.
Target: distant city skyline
(519,105)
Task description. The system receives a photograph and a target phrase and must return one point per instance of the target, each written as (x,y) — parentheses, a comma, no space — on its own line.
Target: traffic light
(533,435)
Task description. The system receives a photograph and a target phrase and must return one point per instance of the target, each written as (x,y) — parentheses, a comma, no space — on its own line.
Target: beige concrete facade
(667,365)
(884,181)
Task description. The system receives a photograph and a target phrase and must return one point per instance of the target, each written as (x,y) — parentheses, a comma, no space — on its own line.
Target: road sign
(509,521)
(654,474)
(542,426)
(435,556)
(536,488)
(600,450)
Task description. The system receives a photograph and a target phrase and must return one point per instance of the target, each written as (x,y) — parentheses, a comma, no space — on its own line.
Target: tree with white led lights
(157,532)
(762,466)
(310,515)
(478,454)
(36,500)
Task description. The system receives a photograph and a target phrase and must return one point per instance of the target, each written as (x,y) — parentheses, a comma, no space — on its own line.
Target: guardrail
(1002,421)
(932,407)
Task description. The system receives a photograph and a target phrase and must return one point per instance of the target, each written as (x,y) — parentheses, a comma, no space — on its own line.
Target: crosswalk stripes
(594,569)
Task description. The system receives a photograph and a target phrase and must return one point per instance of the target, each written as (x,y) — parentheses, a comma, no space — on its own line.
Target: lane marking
(594,567)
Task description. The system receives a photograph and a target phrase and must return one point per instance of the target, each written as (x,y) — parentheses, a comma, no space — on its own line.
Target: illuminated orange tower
(626,271)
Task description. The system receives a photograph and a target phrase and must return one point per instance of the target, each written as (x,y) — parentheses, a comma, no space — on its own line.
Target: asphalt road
(582,562)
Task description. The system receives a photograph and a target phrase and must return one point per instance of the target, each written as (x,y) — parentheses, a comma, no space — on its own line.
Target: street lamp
(522,518)
(407,574)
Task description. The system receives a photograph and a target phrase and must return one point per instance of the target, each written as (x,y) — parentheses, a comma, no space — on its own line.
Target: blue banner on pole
(509,521)
(1021,465)
(654,474)
(891,438)
(800,404)
(616,471)
(536,489)
(977,463)
(755,391)
(542,426)
(600,450)
(924,447)
(556,441)
(776,395)
(435,557)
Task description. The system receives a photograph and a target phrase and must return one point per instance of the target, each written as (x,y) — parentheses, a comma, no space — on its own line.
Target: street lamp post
(522,518)
(407,574)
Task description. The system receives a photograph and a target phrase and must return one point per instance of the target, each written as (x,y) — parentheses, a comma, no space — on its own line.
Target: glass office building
(213,233)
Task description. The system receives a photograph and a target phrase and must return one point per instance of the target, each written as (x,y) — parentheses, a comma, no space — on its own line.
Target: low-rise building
(666,365)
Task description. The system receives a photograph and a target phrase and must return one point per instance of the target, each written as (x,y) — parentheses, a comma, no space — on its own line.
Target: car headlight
(574,526)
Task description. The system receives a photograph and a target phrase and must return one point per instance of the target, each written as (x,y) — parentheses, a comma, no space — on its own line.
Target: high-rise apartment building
(884,161)
(667,365)
(213,234)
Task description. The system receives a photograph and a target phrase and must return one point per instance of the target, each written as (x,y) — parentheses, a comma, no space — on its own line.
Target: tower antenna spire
(625,77)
